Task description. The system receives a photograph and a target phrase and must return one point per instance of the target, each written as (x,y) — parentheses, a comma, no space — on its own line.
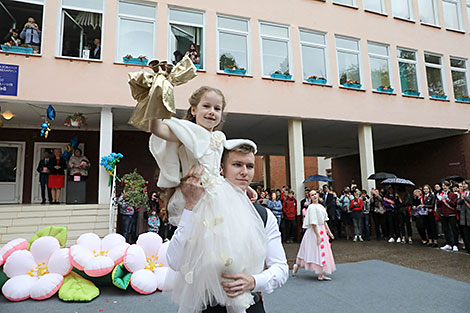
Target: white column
(296,159)
(323,165)
(366,155)
(106,146)
(265,171)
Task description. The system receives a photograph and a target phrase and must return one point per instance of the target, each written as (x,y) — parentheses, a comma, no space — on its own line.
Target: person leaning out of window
(12,38)
(31,35)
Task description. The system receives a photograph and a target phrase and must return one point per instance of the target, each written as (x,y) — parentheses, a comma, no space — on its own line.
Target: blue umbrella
(317,177)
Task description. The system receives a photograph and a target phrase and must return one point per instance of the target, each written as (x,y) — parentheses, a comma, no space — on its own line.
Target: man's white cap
(233,143)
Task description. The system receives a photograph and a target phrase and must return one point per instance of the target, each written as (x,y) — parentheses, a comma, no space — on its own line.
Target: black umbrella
(453,178)
(381,175)
(317,177)
(398,181)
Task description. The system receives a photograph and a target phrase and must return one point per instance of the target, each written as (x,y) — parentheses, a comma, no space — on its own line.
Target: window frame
(417,66)
(410,11)
(60,31)
(20,28)
(467,7)
(353,5)
(458,69)
(247,34)
(383,10)
(119,16)
(203,26)
(274,38)
(435,14)
(315,45)
(383,57)
(359,57)
(459,15)
(441,70)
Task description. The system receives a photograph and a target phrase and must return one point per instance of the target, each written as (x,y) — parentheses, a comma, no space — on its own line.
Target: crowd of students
(439,212)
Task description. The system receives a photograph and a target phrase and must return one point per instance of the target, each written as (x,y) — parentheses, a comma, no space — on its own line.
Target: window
(185,36)
(136,30)
(408,67)
(374,5)
(402,9)
(81,29)
(348,54)
(351,3)
(434,76)
(233,40)
(379,66)
(275,50)
(468,11)
(428,12)
(451,10)
(458,68)
(21,22)
(313,49)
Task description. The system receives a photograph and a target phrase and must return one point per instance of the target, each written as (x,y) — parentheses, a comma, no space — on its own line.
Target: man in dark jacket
(446,203)
(44,177)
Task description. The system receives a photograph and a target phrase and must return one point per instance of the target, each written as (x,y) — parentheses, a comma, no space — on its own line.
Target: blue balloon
(51,113)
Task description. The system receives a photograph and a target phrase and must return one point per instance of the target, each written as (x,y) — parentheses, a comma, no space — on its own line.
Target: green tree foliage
(135,190)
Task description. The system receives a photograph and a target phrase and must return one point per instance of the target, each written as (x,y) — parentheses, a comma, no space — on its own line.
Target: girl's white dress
(313,257)
(228,234)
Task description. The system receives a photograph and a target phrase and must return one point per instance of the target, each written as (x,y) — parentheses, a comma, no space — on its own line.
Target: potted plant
(140,60)
(317,80)
(411,92)
(464,99)
(135,190)
(75,120)
(352,84)
(280,75)
(439,95)
(387,89)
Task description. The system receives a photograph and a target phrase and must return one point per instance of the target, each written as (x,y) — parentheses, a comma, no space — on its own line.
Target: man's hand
(240,284)
(252,194)
(191,187)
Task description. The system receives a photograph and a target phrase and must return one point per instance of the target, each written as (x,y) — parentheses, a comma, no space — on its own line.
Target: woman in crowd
(344,202)
(403,214)
(378,214)
(275,205)
(464,205)
(366,215)
(57,166)
(315,250)
(419,211)
(391,215)
(356,207)
(429,202)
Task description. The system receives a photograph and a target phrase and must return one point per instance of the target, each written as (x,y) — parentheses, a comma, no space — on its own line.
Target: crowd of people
(388,213)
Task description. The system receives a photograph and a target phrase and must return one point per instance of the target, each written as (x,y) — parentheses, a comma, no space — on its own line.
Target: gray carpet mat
(368,286)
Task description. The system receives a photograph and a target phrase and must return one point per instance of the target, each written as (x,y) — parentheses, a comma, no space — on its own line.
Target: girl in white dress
(315,250)
(228,234)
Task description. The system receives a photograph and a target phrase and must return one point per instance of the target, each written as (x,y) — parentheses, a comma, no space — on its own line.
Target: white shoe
(410,241)
(455,249)
(360,238)
(355,238)
(446,247)
(391,239)
(398,240)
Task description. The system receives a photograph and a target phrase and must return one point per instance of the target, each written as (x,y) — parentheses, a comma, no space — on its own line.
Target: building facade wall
(423,163)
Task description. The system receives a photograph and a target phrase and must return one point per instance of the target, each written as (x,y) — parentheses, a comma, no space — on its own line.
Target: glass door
(11,172)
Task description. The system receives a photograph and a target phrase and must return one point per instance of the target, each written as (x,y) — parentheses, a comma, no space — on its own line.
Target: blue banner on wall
(9,80)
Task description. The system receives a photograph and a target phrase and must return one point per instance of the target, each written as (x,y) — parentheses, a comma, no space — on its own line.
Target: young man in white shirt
(238,169)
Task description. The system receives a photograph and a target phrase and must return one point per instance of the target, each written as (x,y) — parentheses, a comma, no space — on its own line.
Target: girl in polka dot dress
(315,250)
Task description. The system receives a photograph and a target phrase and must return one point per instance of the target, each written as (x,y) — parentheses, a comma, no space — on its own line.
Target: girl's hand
(318,240)
(251,193)
(331,235)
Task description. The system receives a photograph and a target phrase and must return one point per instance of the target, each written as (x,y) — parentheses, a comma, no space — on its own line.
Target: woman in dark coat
(57,166)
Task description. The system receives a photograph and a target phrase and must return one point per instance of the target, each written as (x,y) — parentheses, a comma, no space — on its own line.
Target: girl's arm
(315,229)
(161,130)
(329,231)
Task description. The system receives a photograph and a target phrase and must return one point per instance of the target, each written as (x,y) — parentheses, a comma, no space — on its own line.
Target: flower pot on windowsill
(412,93)
(234,70)
(385,89)
(320,80)
(198,66)
(281,76)
(137,61)
(18,49)
(464,99)
(439,96)
(352,85)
